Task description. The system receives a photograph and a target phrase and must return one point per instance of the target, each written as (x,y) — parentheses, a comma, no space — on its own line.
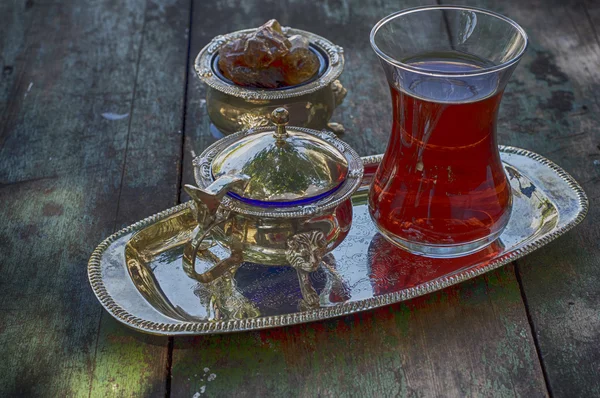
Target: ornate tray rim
(200,328)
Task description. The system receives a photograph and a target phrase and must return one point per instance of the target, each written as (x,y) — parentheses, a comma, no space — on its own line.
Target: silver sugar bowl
(273,195)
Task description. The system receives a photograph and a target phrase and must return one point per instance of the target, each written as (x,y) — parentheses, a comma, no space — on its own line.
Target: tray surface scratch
(140,279)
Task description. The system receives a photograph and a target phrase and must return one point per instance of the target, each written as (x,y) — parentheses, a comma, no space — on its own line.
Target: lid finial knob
(280,118)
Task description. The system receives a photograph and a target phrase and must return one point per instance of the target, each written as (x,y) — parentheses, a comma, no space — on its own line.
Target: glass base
(439,251)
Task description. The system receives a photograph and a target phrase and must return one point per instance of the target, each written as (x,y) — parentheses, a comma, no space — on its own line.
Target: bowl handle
(209,213)
(192,247)
(339,92)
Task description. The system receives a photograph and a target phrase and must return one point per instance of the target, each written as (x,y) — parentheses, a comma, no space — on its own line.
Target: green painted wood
(14,21)
(552,107)
(70,176)
(470,340)
(128,363)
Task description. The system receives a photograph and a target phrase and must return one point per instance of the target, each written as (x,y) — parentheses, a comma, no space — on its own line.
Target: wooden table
(101,114)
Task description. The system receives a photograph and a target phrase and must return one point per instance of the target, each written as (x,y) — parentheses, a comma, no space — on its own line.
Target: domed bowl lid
(284,166)
(287,169)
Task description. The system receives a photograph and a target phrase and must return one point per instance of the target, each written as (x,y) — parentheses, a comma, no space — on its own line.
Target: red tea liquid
(441,181)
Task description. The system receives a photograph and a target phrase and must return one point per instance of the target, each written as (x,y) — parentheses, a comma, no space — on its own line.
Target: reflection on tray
(364,266)
(392,269)
(240,293)
(244,290)
(248,290)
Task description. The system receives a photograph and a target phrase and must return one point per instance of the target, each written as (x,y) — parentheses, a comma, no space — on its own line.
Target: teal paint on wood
(14,22)
(55,166)
(127,363)
(70,176)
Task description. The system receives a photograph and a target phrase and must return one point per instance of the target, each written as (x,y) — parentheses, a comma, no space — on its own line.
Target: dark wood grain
(14,22)
(71,173)
(127,362)
(470,340)
(552,107)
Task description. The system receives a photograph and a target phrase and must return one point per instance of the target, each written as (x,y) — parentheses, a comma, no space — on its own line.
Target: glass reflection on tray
(364,266)
(392,269)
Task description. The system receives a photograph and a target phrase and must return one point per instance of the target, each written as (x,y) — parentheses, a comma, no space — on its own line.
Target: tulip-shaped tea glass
(441,190)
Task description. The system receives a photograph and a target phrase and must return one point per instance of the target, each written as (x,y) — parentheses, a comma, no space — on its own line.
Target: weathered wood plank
(68,163)
(473,339)
(552,106)
(470,340)
(127,362)
(14,21)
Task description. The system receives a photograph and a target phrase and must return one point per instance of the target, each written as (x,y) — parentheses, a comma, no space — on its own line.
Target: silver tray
(140,279)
